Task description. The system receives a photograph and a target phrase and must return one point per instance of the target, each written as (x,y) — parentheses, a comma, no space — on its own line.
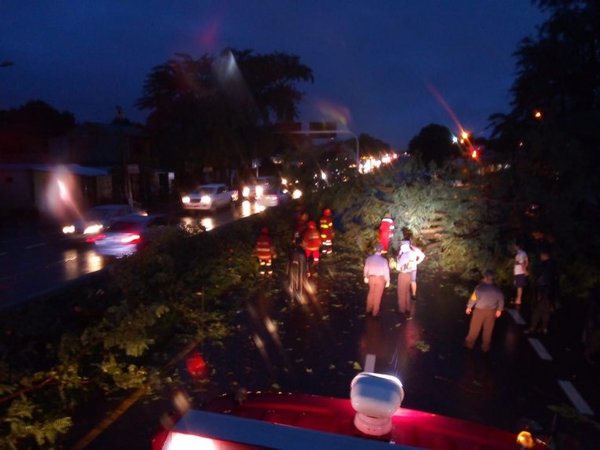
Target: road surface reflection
(35,263)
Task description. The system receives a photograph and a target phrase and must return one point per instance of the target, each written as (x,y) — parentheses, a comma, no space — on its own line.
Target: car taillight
(131,239)
(93,239)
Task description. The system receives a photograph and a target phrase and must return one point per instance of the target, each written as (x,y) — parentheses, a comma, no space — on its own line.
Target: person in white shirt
(377,274)
(520,272)
(409,258)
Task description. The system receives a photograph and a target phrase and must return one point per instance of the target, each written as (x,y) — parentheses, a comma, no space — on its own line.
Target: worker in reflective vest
(264,252)
(311,242)
(386,232)
(326,227)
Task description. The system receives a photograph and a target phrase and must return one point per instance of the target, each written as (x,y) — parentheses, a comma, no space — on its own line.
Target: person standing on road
(297,271)
(546,287)
(486,303)
(264,252)
(386,231)
(405,268)
(520,272)
(311,243)
(408,259)
(416,258)
(326,227)
(301,225)
(377,275)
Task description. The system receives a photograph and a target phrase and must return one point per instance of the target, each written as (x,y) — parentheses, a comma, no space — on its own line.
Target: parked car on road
(126,235)
(208,197)
(97,219)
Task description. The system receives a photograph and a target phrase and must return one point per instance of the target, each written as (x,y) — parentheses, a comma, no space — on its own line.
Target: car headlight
(297,194)
(68,229)
(205,200)
(93,229)
(245,191)
(185,199)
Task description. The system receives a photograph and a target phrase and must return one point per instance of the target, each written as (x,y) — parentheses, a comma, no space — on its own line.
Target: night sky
(377,63)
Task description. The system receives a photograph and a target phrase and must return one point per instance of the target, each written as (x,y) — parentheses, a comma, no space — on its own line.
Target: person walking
(377,275)
(486,304)
(546,287)
(386,231)
(520,272)
(264,252)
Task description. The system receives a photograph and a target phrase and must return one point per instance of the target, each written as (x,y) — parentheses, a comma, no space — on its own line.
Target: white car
(97,219)
(208,197)
(126,235)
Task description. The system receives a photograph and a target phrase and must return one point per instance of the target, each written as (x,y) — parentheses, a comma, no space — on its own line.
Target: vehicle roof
(316,417)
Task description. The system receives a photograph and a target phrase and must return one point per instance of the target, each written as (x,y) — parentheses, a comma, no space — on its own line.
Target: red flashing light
(196,365)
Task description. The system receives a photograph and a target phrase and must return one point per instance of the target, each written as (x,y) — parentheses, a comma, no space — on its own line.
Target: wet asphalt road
(320,345)
(36,258)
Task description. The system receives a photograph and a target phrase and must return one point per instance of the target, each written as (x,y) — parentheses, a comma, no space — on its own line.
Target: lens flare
(446,107)
(336,113)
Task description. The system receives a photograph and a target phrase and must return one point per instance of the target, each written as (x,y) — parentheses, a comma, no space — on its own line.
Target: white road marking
(516,316)
(29,247)
(540,349)
(575,397)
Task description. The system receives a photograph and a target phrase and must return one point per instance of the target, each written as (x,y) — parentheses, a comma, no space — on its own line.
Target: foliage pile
(65,351)
(467,232)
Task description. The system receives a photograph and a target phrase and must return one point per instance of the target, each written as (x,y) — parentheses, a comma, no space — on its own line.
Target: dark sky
(376,62)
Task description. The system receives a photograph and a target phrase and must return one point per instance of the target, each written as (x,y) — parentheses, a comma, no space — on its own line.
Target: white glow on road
(540,349)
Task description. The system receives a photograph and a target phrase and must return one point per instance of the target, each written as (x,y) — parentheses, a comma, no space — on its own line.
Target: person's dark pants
(542,309)
(376,288)
(481,319)
(404,298)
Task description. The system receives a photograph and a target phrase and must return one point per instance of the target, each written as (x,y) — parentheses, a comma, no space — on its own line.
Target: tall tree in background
(553,135)
(552,130)
(433,144)
(216,110)
(25,131)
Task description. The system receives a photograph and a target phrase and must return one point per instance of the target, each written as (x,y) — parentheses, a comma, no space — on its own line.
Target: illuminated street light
(538,114)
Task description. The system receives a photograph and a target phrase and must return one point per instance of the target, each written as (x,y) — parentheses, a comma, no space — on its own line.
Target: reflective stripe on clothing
(264,248)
